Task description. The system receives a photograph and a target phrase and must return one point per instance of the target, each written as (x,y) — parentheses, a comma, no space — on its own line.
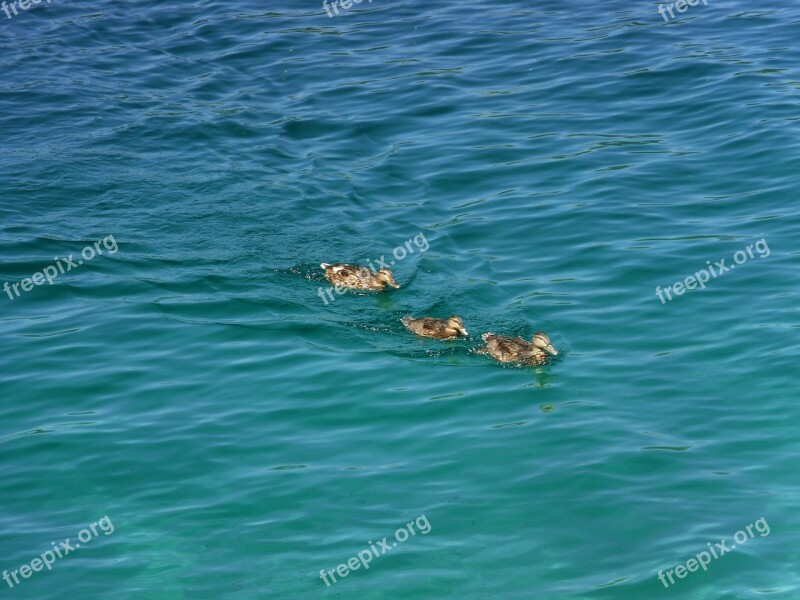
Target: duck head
(541,341)
(457,324)
(385,277)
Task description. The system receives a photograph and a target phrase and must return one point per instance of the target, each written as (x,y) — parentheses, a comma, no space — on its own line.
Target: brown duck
(358,278)
(508,349)
(442,329)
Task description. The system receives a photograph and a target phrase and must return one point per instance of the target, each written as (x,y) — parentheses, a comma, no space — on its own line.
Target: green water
(561,161)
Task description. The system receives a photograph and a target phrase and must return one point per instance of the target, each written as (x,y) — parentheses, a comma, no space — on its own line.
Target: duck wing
(506,348)
(349,275)
(425,326)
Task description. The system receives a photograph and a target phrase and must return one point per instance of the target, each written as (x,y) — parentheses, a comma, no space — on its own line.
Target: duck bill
(463,331)
(550,350)
(394,284)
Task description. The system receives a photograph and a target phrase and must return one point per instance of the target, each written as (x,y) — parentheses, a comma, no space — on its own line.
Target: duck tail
(324,265)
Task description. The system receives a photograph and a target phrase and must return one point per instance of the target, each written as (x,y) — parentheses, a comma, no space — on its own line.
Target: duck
(510,349)
(358,278)
(442,329)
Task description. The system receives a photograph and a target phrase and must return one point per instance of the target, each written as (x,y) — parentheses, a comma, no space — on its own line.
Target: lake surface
(562,164)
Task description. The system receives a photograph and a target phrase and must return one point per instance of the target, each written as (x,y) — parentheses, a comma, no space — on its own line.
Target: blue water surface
(566,163)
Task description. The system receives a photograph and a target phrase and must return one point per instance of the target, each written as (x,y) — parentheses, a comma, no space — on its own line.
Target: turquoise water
(561,161)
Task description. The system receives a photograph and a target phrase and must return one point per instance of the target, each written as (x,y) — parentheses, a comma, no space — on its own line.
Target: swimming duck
(359,278)
(442,329)
(508,349)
